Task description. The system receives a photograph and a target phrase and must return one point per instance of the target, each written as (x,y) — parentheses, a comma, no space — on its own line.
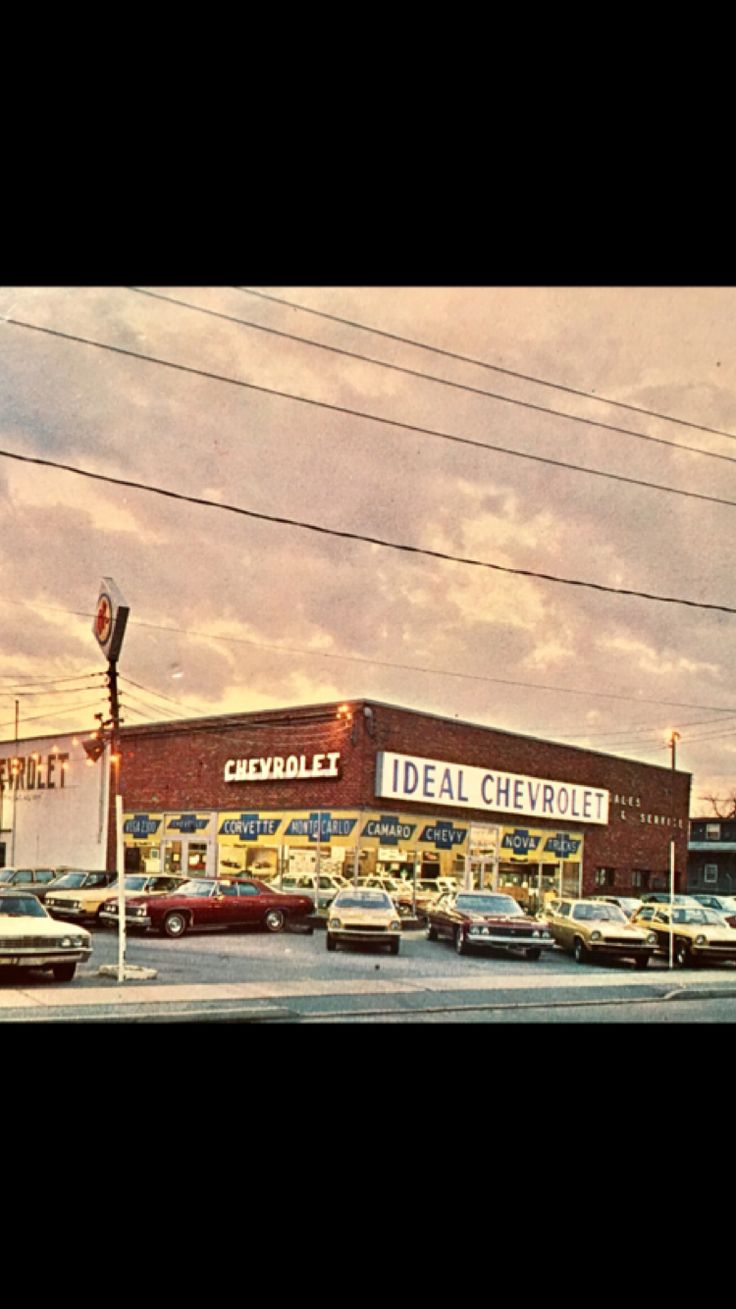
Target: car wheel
(532,953)
(430,932)
(460,944)
(64,972)
(274,920)
(330,941)
(394,947)
(580,950)
(174,924)
(682,954)
(641,961)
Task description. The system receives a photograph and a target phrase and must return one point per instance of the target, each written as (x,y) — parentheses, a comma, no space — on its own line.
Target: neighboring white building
(53,803)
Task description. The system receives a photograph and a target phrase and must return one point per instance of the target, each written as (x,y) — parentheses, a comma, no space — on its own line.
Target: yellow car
(363,914)
(29,938)
(82,895)
(699,933)
(591,930)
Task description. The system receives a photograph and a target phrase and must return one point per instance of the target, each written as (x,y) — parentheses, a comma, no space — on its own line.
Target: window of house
(640,879)
(712,831)
(605,876)
(710,873)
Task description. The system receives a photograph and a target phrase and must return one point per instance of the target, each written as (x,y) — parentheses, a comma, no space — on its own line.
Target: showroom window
(605,876)
(710,873)
(712,831)
(640,879)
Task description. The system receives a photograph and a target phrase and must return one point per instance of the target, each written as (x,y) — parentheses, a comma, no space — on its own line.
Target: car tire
(430,932)
(174,924)
(394,947)
(460,943)
(682,957)
(532,953)
(63,972)
(274,920)
(330,942)
(580,951)
(641,961)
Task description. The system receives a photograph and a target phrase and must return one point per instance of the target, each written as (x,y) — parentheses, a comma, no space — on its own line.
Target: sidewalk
(111,999)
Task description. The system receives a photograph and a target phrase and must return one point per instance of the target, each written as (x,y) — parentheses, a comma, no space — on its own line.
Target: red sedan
(483,918)
(203,905)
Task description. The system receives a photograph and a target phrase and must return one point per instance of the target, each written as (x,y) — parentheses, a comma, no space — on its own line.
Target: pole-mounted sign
(111,616)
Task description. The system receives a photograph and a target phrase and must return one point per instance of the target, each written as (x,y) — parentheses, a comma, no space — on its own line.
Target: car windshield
(135,883)
(70,881)
(21,906)
(362,900)
(697,916)
(7,874)
(599,913)
(490,904)
(196,888)
(727,904)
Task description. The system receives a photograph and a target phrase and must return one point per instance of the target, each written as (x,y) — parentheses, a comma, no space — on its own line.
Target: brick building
(376,787)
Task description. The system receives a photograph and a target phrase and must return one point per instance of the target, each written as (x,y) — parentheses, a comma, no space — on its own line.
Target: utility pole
(674,738)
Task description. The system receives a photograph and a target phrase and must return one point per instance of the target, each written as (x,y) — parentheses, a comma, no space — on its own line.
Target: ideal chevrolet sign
(410,777)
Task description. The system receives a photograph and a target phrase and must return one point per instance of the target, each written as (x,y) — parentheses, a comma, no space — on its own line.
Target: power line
(482,363)
(160,696)
(373,418)
(384,663)
(55,713)
(37,681)
(443,381)
(370,540)
(71,690)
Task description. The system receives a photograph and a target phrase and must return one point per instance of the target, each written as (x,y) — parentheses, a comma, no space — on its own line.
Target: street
(290,976)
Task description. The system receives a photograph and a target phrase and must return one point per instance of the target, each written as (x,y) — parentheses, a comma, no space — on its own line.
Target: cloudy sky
(232,613)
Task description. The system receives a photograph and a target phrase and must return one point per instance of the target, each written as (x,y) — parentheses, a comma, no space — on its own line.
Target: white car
(31,938)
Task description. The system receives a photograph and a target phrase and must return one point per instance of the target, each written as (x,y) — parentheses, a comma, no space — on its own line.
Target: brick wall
(180,767)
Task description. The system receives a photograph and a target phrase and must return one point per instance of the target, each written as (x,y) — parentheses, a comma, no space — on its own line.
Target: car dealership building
(358,787)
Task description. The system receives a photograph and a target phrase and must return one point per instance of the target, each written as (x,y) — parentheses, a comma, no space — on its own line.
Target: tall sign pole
(674,738)
(111,617)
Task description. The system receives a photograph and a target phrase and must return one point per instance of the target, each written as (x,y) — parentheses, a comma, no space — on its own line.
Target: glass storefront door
(187,857)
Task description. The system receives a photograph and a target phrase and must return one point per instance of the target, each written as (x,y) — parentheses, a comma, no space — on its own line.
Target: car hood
(615,929)
(30,926)
(363,915)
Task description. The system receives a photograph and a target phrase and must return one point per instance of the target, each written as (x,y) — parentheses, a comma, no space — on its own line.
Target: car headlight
(546,936)
(70,904)
(335,922)
(536,933)
(138,912)
(652,938)
(701,940)
(67,943)
(394,927)
(77,942)
(595,936)
(112,907)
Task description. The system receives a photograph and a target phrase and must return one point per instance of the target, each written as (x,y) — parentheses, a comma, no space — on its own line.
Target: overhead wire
(342,534)
(429,377)
(483,363)
(384,663)
(374,418)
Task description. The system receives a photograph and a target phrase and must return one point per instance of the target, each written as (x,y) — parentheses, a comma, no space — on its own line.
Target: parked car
(79,894)
(306,884)
(628,903)
(591,929)
(36,880)
(208,904)
(725,905)
(367,915)
(486,918)
(29,938)
(663,897)
(139,884)
(698,933)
